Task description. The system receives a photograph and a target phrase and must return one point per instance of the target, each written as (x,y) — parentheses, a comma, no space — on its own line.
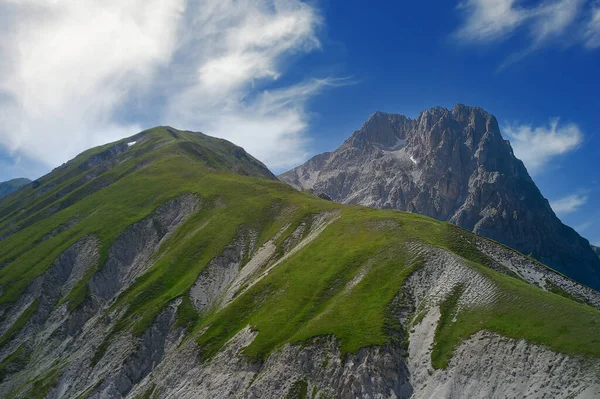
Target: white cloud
(270,126)
(244,50)
(69,64)
(487,20)
(553,18)
(580,228)
(70,70)
(568,204)
(536,146)
(544,21)
(592,32)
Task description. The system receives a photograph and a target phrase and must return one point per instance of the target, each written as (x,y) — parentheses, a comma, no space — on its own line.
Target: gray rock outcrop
(129,256)
(452,165)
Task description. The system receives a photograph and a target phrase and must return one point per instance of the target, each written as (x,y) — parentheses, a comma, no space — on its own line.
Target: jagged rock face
(596,250)
(11,186)
(452,165)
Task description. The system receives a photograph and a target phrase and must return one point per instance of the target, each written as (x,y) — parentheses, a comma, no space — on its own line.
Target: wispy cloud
(583,226)
(592,30)
(244,49)
(543,22)
(77,73)
(536,146)
(569,204)
(488,20)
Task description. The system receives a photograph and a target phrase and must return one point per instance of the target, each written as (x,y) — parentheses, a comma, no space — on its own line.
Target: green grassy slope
(305,296)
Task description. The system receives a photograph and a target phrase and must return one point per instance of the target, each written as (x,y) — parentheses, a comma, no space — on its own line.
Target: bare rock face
(596,250)
(452,165)
(219,274)
(131,252)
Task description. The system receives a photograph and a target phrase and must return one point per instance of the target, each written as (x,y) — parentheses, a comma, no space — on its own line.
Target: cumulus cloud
(78,73)
(544,21)
(536,146)
(69,64)
(569,204)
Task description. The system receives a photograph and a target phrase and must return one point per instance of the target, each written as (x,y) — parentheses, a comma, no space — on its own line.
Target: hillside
(11,186)
(455,166)
(175,265)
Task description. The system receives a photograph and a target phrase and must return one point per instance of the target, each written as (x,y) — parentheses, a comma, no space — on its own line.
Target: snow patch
(413,160)
(131,143)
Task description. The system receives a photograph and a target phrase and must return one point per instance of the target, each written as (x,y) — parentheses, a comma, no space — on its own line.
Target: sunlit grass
(306,296)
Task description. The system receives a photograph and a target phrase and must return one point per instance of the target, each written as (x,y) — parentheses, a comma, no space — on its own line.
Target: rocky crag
(452,165)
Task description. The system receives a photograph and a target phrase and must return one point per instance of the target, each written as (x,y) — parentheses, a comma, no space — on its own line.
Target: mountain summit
(452,165)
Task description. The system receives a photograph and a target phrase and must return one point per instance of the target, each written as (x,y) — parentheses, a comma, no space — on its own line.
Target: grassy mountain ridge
(334,269)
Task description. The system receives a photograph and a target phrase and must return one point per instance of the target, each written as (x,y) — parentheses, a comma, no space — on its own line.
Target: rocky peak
(452,165)
(469,124)
(383,130)
(432,127)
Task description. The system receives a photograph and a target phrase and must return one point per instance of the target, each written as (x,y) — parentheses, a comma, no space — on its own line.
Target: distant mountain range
(452,165)
(13,185)
(172,264)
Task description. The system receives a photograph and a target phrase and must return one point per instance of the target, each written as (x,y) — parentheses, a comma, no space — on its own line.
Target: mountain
(452,165)
(13,185)
(175,265)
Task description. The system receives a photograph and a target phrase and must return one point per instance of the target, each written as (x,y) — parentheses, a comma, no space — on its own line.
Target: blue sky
(289,79)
